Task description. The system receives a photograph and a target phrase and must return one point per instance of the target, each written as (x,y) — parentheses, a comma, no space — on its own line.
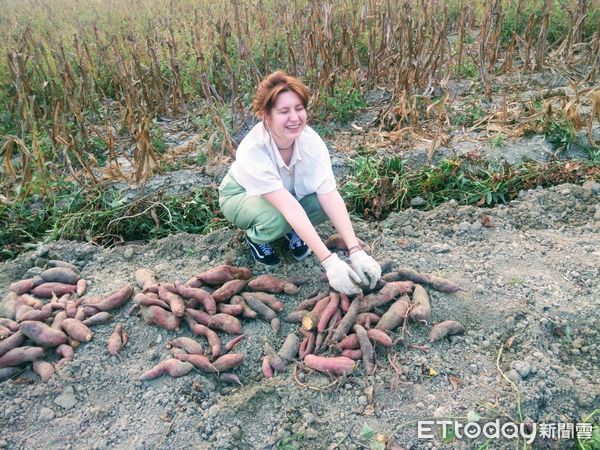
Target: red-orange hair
(272,86)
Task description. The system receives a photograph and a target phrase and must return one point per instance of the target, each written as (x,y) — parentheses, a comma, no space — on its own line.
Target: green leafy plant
(369,434)
(498,140)
(560,132)
(343,105)
(593,442)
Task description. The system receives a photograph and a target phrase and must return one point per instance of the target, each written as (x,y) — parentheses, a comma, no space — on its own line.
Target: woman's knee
(268,226)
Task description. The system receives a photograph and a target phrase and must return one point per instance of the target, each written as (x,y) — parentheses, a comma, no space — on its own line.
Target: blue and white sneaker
(297,246)
(263,253)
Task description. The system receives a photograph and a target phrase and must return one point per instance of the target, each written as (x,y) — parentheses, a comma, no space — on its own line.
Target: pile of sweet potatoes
(49,313)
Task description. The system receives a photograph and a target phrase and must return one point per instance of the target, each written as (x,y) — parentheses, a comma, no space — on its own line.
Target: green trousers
(262,221)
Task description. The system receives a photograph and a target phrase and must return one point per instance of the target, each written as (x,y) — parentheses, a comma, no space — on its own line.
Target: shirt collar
(275,152)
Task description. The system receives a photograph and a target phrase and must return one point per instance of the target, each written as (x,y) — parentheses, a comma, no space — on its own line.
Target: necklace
(285,149)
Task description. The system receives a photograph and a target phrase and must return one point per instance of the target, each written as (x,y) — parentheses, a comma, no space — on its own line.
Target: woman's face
(287,119)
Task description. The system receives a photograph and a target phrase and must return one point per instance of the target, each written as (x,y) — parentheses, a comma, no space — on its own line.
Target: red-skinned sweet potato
(144,278)
(58,320)
(97,319)
(335,365)
(40,315)
(335,242)
(344,302)
(307,346)
(296,316)
(445,328)
(155,315)
(328,312)
(226,323)
(232,343)
(81,287)
(394,316)
(310,302)
(368,354)
(266,367)
(66,352)
(46,290)
(42,334)
(62,275)
(7,306)
(379,337)
(116,299)
(272,285)
(20,355)
(224,273)
(437,283)
(14,341)
(30,301)
(5,332)
(172,367)
(263,311)
(115,340)
(228,361)
(174,301)
(77,330)
(145,300)
(348,320)
(22,286)
(231,378)
(228,290)
(59,263)
(232,310)
(311,320)
(274,359)
(367,319)
(200,295)
(289,349)
(187,344)
(199,361)
(202,330)
(354,354)
(421,308)
(272,302)
(247,312)
(44,370)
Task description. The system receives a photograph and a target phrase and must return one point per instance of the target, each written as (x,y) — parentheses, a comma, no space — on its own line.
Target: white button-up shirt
(259,168)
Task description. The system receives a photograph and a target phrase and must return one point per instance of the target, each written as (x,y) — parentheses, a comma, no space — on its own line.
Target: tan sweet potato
(289,349)
(335,242)
(199,316)
(380,337)
(7,307)
(226,323)
(228,361)
(65,351)
(199,361)
(145,300)
(354,354)
(445,328)
(421,308)
(266,367)
(172,367)
(22,286)
(263,311)
(42,334)
(231,378)
(30,301)
(334,365)
(367,319)
(232,310)
(437,283)
(274,359)
(116,299)
(311,320)
(247,312)
(14,341)
(272,302)
(276,325)
(77,330)
(81,287)
(47,290)
(44,370)
(232,343)
(224,273)
(344,302)
(228,290)
(144,278)
(20,355)
(62,275)
(187,344)
(200,295)
(115,341)
(97,319)
(307,346)
(59,263)
(202,330)
(310,302)
(58,320)
(394,316)
(272,285)
(368,354)
(328,312)
(174,301)
(36,314)
(155,315)
(296,316)
(348,320)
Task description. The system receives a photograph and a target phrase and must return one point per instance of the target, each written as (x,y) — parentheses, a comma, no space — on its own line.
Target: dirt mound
(530,306)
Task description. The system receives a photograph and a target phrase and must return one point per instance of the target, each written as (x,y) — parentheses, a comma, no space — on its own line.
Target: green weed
(343,105)
(468,113)
(560,132)
(593,442)
(498,140)
(369,434)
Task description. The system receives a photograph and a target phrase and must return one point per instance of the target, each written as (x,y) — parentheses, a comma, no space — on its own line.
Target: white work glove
(366,267)
(341,276)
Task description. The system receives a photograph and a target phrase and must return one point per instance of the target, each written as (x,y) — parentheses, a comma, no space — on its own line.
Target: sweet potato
(394,289)
(331,326)
(80,314)
(307,346)
(44,370)
(115,341)
(232,343)
(274,359)
(202,330)
(421,308)
(226,323)
(380,337)
(334,365)
(66,352)
(22,286)
(187,344)
(7,307)
(272,285)
(30,301)
(62,275)
(311,320)
(77,330)
(116,299)
(224,273)
(81,287)
(199,361)
(231,378)
(145,300)
(58,320)
(59,263)
(394,316)
(197,294)
(348,320)
(275,325)
(344,302)
(269,300)
(5,332)
(296,316)
(310,302)
(144,278)
(228,361)
(263,311)
(437,283)
(97,319)
(46,290)
(172,367)
(354,354)
(42,334)
(228,290)
(8,372)
(289,349)
(199,316)
(328,312)
(232,310)
(335,242)
(20,355)
(40,315)
(174,301)
(247,312)
(367,319)
(155,315)
(266,367)
(14,341)
(445,328)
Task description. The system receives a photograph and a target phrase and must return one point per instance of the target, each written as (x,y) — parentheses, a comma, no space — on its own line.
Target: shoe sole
(257,259)
(303,257)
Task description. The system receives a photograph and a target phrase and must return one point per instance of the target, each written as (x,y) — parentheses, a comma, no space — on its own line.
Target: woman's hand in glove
(341,276)
(366,268)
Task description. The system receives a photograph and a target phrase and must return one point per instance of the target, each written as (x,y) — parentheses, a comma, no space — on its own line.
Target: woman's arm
(335,208)
(295,215)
